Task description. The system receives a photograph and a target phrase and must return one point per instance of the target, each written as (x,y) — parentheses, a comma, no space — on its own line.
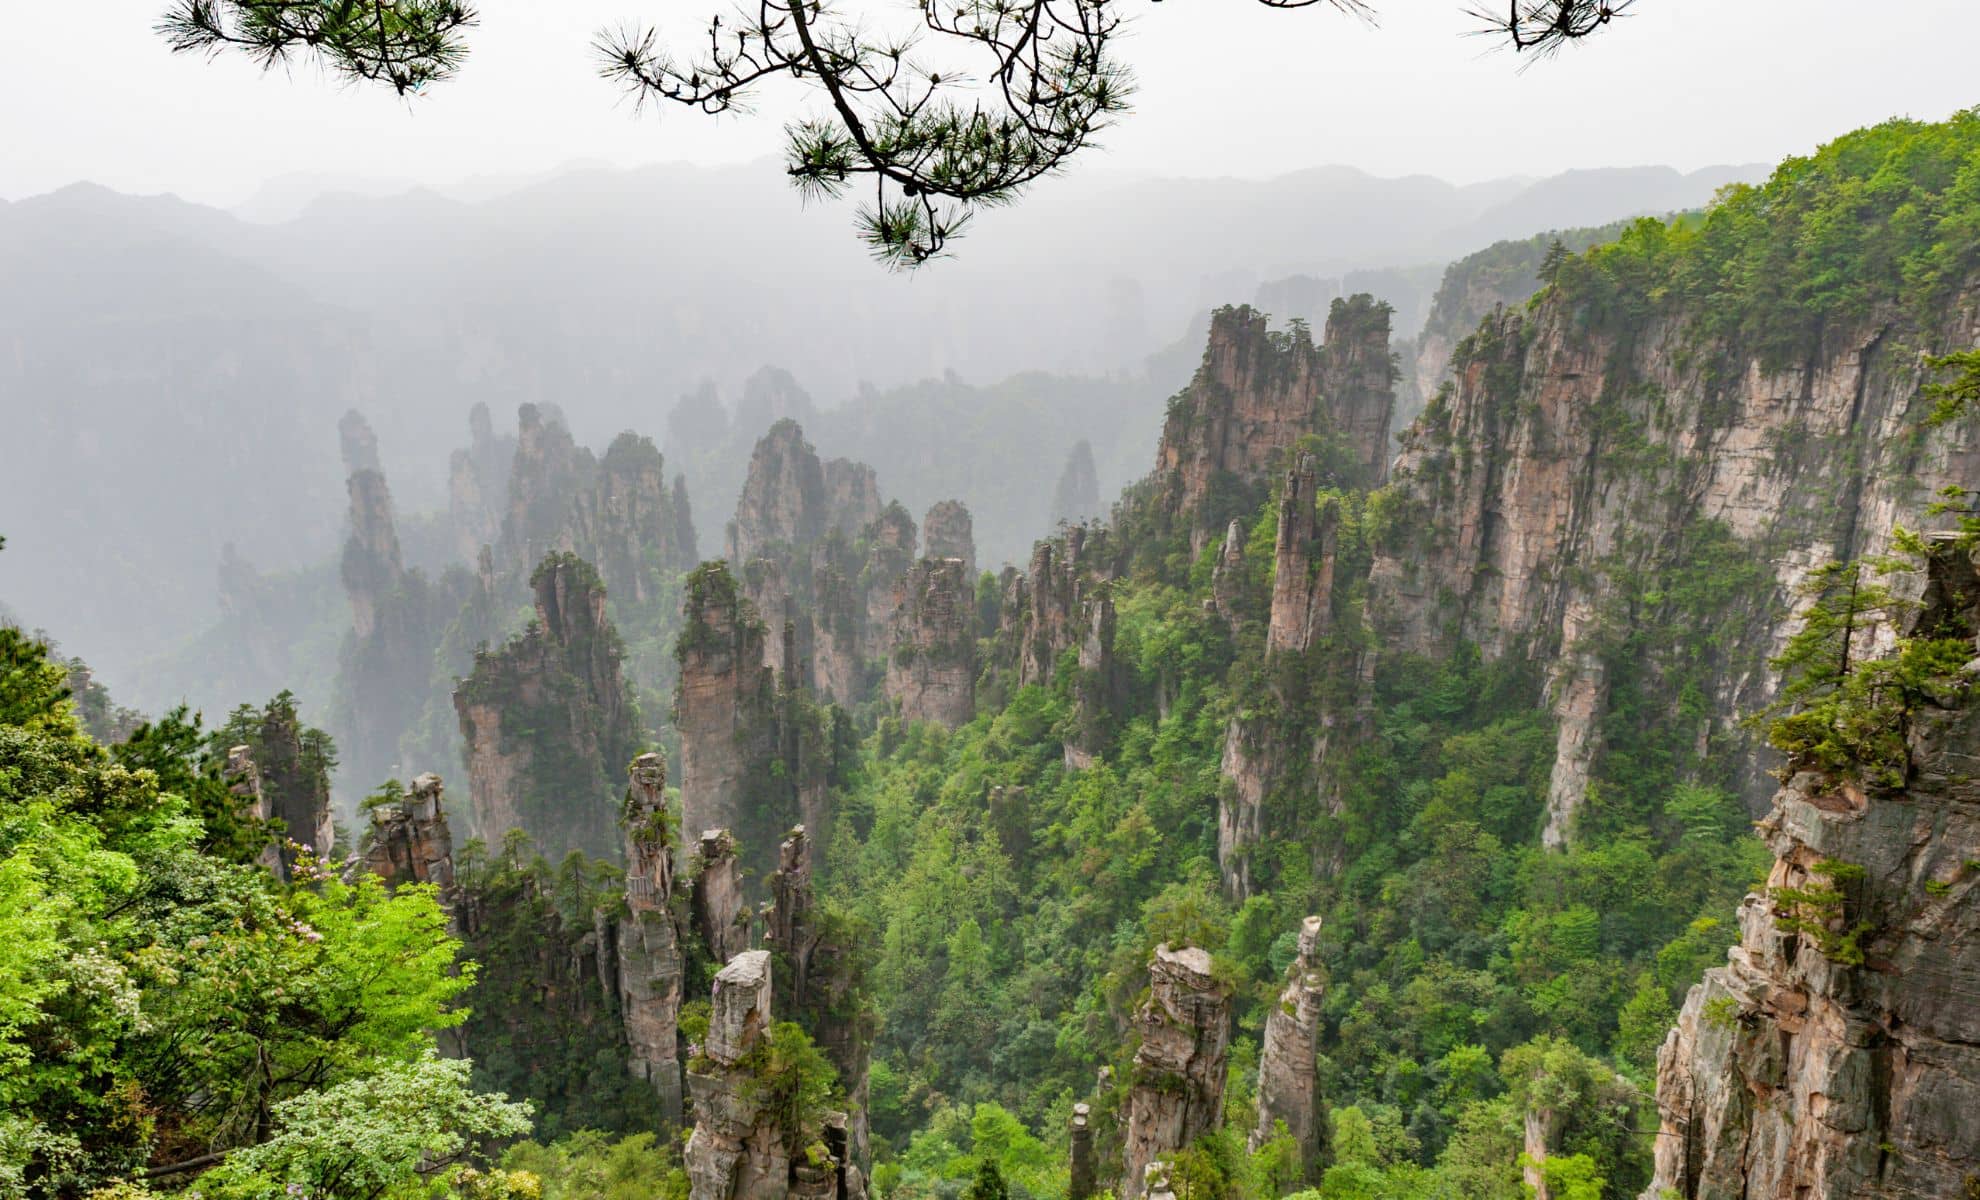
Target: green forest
(196,1001)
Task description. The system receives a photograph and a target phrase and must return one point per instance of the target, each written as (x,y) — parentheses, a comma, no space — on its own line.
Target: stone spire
(648,942)
(409,842)
(931,669)
(1288,1078)
(1084,1181)
(1178,1090)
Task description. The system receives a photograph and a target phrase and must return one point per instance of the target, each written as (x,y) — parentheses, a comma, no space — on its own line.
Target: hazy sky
(1232,89)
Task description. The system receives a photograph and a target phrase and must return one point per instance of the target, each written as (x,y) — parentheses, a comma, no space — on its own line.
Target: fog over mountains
(201,359)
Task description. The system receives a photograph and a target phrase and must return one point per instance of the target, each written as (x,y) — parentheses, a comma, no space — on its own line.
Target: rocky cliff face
(1076,498)
(1837,1053)
(1288,1073)
(1302,564)
(1257,393)
(1578,485)
(409,842)
(931,670)
(1177,1093)
(783,505)
(648,940)
(725,703)
(547,719)
(720,914)
(478,484)
(947,532)
(631,524)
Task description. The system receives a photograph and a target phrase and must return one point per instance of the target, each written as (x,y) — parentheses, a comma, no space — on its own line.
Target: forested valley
(1526,752)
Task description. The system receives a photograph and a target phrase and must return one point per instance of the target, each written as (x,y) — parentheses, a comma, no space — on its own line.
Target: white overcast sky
(88,91)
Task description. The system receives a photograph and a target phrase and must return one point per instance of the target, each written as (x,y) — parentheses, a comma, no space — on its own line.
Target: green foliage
(1883,215)
(1819,911)
(790,1080)
(589,1165)
(373,1136)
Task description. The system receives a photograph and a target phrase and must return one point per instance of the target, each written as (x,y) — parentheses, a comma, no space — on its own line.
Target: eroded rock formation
(725,702)
(1076,499)
(1302,564)
(1082,1172)
(648,940)
(547,720)
(1288,1073)
(409,842)
(717,898)
(931,669)
(1257,393)
(1837,1053)
(1177,1093)
(948,532)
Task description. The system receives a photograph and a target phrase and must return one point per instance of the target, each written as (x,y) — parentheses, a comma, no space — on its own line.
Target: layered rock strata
(931,668)
(1177,1094)
(1288,1071)
(1837,1053)
(648,940)
(409,841)
(548,717)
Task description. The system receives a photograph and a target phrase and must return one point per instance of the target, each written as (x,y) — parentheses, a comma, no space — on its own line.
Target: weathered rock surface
(1178,1089)
(948,532)
(478,484)
(547,719)
(742,1148)
(648,939)
(1083,1171)
(725,702)
(717,897)
(409,841)
(1302,564)
(783,502)
(931,669)
(888,542)
(1795,1073)
(1258,392)
(1288,1074)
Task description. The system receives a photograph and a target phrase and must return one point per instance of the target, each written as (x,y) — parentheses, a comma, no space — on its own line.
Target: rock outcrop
(409,842)
(478,484)
(931,669)
(820,976)
(725,705)
(720,915)
(783,503)
(281,776)
(1083,1178)
(948,532)
(1288,1072)
(1177,1094)
(1257,393)
(1548,501)
(1302,564)
(1837,1053)
(648,939)
(744,1146)
(888,545)
(547,720)
(852,496)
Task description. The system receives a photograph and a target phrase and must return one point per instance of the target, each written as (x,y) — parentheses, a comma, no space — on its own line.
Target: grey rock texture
(1177,1093)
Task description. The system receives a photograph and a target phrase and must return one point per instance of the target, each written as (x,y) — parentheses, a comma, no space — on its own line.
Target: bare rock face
(647,939)
(1288,1077)
(1796,1071)
(1097,690)
(1550,481)
(548,470)
(852,496)
(547,718)
(717,898)
(725,701)
(1252,763)
(409,841)
(372,566)
(630,523)
(948,532)
(931,670)
(783,505)
(1302,565)
(889,542)
(1046,610)
(1178,1089)
(1227,581)
(1258,392)
(838,635)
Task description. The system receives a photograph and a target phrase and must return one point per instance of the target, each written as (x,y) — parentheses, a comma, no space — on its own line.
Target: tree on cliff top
(933,139)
